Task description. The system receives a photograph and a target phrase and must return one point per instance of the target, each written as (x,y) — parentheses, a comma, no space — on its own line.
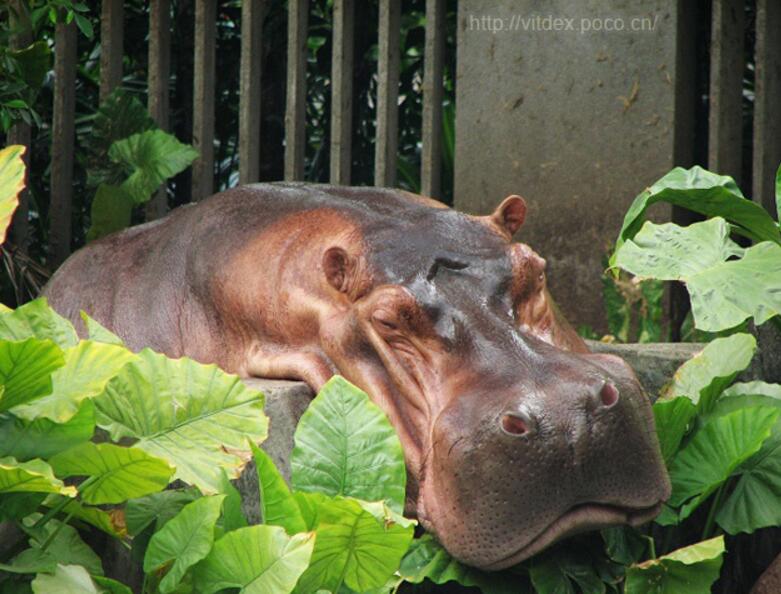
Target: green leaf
(277,506)
(65,544)
(31,561)
(755,502)
(33,63)
(672,418)
(119,116)
(724,291)
(15,506)
(43,438)
(778,193)
(705,376)
(26,368)
(427,559)
(11,184)
(153,156)
(111,211)
(183,541)
(99,333)
(232,516)
(88,368)
(691,570)
(34,476)
(37,320)
(256,559)
(353,547)
(156,509)
(110,586)
(704,192)
(197,417)
(67,579)
(624,544)
(715,452)
(344,445)
(115,473)
(84,25)
(109,522)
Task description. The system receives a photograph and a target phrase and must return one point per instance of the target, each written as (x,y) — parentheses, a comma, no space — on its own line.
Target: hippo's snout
(523,423)
(516,469)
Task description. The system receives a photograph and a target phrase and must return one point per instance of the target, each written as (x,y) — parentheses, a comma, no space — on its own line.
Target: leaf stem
(52,512)
(56,531)
(715,505)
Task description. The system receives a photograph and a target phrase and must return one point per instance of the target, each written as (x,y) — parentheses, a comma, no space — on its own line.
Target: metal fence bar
(203,97)
(387,141)
(249,90)
(111,40)
(20,132)
(62,143)
(431,132)
(342,91)
(295,110)
(725,120)
(158,77)
(767,115)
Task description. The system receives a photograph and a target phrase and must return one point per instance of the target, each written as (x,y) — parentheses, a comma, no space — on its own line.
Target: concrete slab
(577,105)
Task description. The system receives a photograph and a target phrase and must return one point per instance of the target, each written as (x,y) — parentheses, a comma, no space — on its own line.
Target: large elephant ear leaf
(197,417)
(255,559)
(152,156)
(345,445)
(704,192)
(37,320)
(727,283)
(11,184)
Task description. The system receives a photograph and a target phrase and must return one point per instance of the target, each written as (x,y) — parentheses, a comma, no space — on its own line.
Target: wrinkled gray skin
(514,434)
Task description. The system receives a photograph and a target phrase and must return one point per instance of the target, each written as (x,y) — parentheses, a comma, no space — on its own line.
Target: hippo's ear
(338,267)
(510,214)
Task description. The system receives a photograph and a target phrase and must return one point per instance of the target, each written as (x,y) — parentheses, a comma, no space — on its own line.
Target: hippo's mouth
(581,518)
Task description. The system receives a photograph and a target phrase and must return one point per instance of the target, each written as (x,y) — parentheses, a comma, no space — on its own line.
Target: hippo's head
(515,435)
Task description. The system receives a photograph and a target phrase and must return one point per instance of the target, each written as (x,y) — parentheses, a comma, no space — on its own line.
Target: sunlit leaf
(88,368)
(704,192)
(257,560)
(67,579)
(26,368)
(99,333)
(37,320)
(115,473)
(34,476)
(703,377)
(11,184)
(727,283)
(197,417)
(345,445)
(43,438)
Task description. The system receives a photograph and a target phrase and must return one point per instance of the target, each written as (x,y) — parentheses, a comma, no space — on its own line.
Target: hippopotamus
(514,434)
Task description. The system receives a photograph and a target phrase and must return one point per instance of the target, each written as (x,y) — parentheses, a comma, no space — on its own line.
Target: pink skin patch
(608,394)
(514,425)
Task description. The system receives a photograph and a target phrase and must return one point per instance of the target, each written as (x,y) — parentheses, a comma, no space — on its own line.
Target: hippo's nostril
(608,394)
(516,423)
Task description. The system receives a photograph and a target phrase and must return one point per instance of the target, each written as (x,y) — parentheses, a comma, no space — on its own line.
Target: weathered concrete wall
(577,121)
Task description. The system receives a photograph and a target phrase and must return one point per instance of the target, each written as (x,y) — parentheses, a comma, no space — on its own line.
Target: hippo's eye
(444,263)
